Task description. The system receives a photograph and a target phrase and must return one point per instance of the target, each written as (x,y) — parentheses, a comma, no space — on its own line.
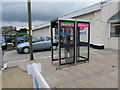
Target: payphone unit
(73,38)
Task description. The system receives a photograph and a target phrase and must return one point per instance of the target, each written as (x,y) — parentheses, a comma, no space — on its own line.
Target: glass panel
(55,49)
(67,32)
(82,41)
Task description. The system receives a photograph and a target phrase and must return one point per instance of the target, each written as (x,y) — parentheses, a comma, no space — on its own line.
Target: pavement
(100,72)
(12,55)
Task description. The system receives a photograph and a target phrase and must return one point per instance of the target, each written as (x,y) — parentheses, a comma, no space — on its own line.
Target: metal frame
(87,44)
(59,44)
(59,59)
(75,43)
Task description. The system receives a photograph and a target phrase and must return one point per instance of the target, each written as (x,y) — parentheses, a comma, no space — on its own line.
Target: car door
(47,42)
(34,42)
(39,43)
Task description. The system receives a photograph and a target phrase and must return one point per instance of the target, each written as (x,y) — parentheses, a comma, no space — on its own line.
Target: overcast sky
(15,13)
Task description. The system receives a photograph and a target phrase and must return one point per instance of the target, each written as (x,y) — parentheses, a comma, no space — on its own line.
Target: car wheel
(26,50)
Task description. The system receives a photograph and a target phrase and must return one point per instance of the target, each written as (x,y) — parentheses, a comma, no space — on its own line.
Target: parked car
(39,43)
(3,43)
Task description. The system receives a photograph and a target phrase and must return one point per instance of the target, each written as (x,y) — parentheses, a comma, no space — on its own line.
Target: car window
(35,39)
(39,39)
(48,38)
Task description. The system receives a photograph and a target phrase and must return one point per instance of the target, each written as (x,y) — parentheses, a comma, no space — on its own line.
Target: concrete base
(97,46)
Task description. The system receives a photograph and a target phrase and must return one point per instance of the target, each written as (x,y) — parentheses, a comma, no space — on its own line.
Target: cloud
(41,11)
(14,11)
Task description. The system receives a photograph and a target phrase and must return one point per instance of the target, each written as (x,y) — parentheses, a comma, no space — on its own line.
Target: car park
(38,43)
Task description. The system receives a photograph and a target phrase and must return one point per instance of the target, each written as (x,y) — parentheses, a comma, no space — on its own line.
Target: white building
(105,23)
(43,29)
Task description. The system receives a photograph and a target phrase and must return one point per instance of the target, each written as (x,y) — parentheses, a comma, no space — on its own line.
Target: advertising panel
(83,31)
(66,24)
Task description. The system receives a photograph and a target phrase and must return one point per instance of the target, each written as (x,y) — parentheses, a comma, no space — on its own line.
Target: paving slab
(100,72)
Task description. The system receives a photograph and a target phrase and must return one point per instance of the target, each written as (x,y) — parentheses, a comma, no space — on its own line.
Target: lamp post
(30,28)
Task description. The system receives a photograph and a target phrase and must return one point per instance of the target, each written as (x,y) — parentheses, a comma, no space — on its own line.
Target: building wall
(107,11)
(100,28)
(41,32)
(94,35)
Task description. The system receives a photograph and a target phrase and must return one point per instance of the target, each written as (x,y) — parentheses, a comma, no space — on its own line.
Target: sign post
(30,28)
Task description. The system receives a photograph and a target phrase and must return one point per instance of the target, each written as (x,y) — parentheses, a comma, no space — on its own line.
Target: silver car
(39,43)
